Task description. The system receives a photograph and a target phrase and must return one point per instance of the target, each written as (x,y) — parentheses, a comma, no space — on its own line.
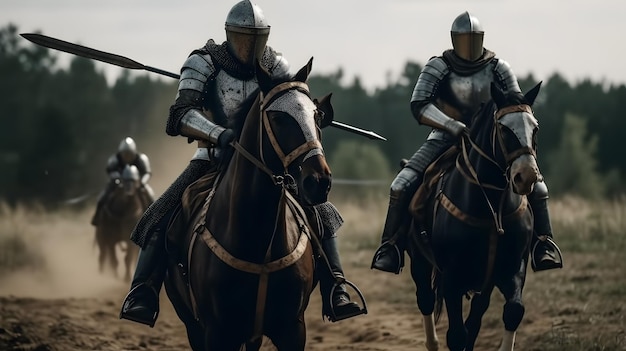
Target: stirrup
(399,256)
(555,248)
(124,314)
(333,317)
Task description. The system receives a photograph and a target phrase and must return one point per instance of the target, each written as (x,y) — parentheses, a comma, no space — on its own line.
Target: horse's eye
(279,118)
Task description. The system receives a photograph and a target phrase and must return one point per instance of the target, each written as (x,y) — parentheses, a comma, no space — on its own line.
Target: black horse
(475,230)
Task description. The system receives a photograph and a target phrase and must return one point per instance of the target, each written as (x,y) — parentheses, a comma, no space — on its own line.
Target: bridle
(285,179)
(496,134)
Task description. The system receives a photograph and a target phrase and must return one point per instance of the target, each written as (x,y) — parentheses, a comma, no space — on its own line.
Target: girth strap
(449,206)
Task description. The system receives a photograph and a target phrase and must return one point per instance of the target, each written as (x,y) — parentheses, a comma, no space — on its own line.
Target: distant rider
(126,155)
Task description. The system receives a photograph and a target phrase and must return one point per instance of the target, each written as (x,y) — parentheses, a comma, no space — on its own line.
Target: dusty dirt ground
(65,304)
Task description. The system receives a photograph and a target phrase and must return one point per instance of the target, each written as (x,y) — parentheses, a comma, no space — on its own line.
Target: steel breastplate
(469,92)
(231,92)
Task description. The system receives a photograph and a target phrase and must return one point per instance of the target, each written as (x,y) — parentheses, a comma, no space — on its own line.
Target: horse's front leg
(456,336)
(290,337)
(513,307)
(421,272)
(480,303)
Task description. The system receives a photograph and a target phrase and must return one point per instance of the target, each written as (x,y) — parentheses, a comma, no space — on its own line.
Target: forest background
(59,126)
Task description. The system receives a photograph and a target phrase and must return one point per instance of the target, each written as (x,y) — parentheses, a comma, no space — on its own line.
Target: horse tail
(438,291)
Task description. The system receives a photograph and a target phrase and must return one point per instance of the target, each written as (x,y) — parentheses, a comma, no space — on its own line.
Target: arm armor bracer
(196,125)
(427,85)
(425,92)
(197,72)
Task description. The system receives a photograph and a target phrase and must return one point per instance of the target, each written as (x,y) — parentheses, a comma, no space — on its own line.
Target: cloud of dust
(169,156)
(65,242)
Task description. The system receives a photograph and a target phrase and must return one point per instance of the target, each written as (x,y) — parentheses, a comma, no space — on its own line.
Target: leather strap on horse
(515,108)
(269,97)
(251,267)
(509,156)
(262,269)
(449,206)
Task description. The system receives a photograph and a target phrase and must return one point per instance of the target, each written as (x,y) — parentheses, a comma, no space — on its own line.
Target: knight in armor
(449,90)
(214,80)
(126,155)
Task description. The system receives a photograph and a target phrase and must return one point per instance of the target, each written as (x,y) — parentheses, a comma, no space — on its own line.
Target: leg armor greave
(538,201)
(545,253)
(336,302)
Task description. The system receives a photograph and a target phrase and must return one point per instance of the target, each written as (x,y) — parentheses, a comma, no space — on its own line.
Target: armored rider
(214,80)
(449,90)
(126,155)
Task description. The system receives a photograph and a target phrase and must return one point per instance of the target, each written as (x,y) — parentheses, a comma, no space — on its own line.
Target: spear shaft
(121,61)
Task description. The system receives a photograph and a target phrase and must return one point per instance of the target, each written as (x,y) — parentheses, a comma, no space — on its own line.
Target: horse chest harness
(287,183)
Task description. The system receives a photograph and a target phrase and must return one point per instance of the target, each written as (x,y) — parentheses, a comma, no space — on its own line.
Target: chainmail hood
(227,62)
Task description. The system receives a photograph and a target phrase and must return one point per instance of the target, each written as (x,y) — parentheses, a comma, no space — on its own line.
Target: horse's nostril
(518,178)
(315,184)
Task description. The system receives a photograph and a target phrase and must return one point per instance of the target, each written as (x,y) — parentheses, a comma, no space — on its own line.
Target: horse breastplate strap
(258,268)
(459,214)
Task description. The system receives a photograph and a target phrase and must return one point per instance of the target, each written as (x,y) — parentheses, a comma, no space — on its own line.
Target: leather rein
(508,156)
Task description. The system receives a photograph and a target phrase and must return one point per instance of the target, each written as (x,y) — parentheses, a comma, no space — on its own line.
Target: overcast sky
(370,39)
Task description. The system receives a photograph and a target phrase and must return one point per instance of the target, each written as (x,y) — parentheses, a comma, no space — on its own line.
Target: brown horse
(120,212)
(247,261)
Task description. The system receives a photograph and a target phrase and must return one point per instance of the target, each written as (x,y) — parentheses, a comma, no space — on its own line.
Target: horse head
(290,146)
(512,139)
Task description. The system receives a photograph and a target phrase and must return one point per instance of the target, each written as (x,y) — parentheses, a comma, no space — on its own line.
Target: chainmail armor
(331,218)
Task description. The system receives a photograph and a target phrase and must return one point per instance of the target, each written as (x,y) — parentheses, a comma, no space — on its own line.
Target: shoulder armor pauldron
(274,62)
(143,164)
(505,76)
(196,71)
(112,163)
(428,82)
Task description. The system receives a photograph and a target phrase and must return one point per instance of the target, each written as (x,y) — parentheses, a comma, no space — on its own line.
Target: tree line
(60,125)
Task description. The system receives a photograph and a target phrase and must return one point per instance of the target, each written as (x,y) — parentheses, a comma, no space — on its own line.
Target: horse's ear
(304,72)
(531,95)
(263,77)
(326,108)
(497,94)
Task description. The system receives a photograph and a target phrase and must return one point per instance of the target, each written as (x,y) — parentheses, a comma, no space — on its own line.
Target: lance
(121,61)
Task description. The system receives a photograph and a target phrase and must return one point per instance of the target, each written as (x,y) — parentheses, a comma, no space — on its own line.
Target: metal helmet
(247,32)
(127,150)
(467,37)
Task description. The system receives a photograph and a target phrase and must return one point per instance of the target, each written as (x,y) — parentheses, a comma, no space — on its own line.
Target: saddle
(190,204)
(420,200)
